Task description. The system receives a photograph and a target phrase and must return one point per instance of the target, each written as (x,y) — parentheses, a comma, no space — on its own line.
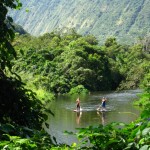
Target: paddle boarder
(103,104)
(78,104)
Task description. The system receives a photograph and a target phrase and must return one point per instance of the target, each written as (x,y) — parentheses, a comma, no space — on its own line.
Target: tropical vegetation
(33,69)
(58,62)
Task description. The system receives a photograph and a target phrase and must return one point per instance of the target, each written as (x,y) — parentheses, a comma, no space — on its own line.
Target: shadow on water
(119,109)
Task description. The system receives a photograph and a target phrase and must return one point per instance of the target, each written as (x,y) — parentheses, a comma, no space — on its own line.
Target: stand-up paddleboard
(75,110)
(102,109)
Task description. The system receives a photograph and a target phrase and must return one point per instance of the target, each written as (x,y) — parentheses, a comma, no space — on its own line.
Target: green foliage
(78,90)
(43,95)
(145,97)
(146,83)
(19,105)
(7,52)
(58,62)
(15,137)
(129,63)
(116,136)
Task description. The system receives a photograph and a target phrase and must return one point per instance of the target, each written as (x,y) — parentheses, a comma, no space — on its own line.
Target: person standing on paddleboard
(78,104)
(103,103)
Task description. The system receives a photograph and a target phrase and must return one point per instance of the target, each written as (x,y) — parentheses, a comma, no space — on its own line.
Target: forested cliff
(127,20)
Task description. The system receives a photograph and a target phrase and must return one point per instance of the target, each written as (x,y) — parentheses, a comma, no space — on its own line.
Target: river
(119,105)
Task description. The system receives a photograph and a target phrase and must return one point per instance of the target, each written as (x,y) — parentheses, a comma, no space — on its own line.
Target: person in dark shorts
(103,102)
(102,107)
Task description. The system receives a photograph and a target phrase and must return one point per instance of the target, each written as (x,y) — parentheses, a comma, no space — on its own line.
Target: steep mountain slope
(125,19)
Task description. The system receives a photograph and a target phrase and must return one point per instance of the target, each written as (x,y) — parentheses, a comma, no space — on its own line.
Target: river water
(119,105)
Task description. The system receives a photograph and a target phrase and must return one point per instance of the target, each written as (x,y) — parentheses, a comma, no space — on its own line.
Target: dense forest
(34,68)
(59,63)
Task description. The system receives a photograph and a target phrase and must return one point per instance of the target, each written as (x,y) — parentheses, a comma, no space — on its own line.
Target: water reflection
(102,116)
(78,116)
